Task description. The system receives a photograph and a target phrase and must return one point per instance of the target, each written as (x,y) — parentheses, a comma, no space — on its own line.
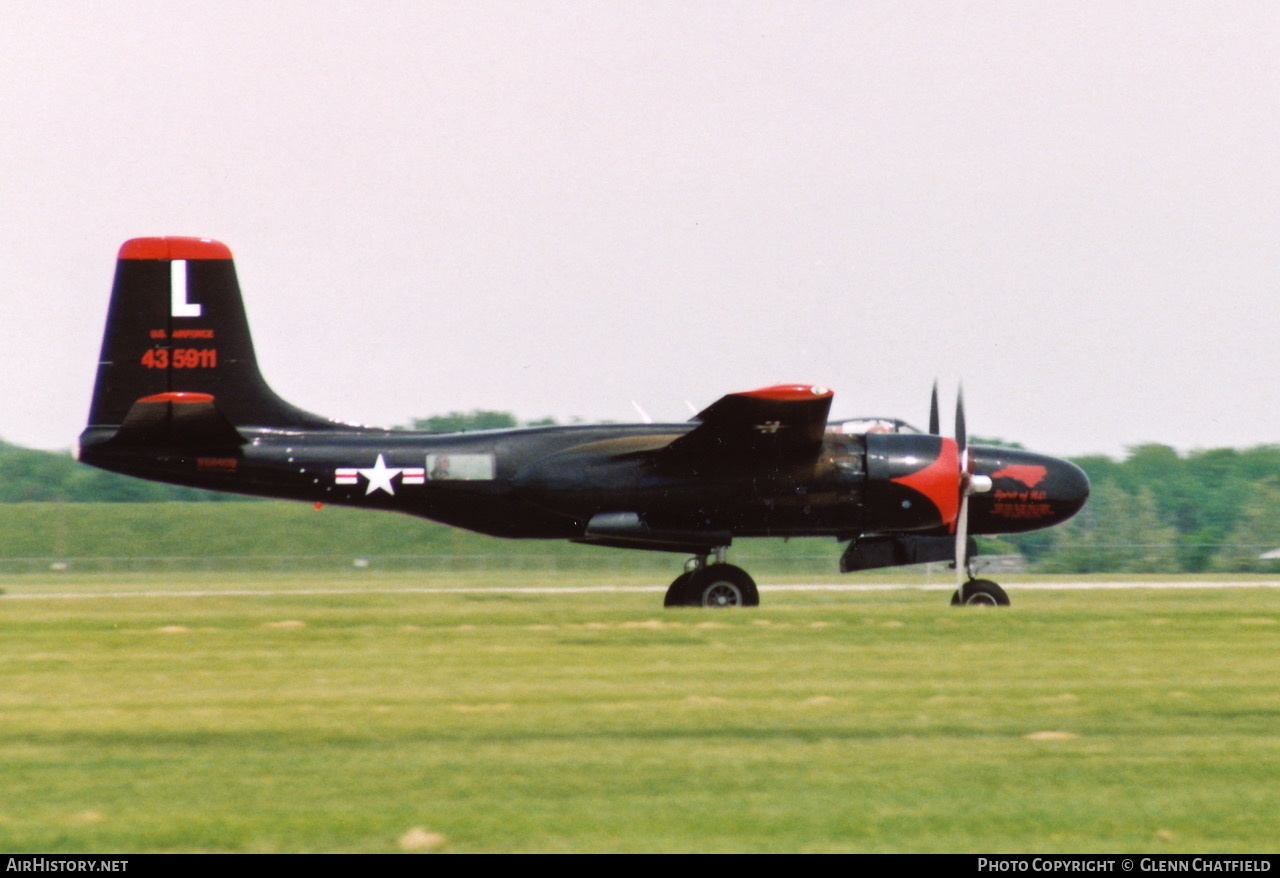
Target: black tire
(678,594)
(717,586)
(981,593)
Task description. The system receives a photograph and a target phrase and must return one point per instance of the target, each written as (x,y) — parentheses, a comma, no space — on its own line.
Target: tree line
(1153,511)
(1159,511)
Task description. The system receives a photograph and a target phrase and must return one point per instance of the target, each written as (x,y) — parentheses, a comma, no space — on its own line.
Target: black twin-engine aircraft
(179,398)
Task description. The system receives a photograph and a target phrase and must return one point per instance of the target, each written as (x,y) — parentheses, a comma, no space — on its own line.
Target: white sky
(555,208)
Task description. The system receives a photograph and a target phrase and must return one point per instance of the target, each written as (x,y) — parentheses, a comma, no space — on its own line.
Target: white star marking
(380,476)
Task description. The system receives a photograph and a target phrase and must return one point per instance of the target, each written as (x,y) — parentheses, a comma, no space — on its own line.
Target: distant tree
(462,422)
(1100,468)
(28,475)
(1257,531)
(1154,511)
(1116,532)
(1153,544)
(1159,469)
(1200,496)
(998,443)
(477,419)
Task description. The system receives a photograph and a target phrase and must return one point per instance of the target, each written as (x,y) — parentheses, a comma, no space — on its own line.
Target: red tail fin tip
(174,248)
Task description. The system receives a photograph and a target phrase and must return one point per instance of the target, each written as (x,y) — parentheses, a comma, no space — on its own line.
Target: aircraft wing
(782,422)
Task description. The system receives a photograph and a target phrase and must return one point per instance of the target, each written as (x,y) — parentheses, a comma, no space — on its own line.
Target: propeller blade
(962,519)
(935,427)
(962,542)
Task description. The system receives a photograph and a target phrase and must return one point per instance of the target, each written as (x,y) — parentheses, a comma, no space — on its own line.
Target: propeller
(970,483)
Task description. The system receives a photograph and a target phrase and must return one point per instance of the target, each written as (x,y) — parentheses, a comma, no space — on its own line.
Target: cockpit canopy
(871,425)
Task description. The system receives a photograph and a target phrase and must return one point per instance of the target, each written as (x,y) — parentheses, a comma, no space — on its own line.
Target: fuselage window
(459,467)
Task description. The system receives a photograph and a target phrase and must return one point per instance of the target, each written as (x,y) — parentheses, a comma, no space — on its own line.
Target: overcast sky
(559,208)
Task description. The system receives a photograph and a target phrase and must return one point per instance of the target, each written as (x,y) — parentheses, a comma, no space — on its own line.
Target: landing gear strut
(712,584)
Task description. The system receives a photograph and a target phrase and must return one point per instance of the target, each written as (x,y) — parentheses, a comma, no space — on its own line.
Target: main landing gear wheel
(981,593)
(714,586)
(676,593)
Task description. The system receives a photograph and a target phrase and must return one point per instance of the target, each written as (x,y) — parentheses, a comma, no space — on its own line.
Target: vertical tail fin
(176,325)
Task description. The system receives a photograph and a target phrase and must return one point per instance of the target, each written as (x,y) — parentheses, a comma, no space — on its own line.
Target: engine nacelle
(913,482)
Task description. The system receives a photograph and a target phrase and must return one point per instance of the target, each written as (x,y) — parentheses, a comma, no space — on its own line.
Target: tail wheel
(981,593)
(720,585)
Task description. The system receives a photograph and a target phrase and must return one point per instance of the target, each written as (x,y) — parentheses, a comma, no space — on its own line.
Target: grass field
(234,712)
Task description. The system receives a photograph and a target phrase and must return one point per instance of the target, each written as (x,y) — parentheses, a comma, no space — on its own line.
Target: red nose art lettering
(1028,474)
(1022,510)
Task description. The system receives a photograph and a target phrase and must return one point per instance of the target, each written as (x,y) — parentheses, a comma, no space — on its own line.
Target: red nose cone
(1028,491)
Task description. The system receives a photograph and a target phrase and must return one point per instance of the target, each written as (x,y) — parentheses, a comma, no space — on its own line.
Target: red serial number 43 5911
(181,358)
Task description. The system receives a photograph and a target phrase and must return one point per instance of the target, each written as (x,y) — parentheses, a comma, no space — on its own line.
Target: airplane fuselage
(552,482)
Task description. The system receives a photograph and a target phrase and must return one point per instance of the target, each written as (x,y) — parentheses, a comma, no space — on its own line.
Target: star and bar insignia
(380,476)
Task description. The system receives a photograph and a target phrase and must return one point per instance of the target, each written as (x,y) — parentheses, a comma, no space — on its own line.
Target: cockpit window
(871,425)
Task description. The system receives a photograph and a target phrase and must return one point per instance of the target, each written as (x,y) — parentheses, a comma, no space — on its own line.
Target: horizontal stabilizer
(177,420)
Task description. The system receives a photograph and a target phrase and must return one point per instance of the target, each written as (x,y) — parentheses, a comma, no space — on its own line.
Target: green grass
(822,721)
(237,537)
